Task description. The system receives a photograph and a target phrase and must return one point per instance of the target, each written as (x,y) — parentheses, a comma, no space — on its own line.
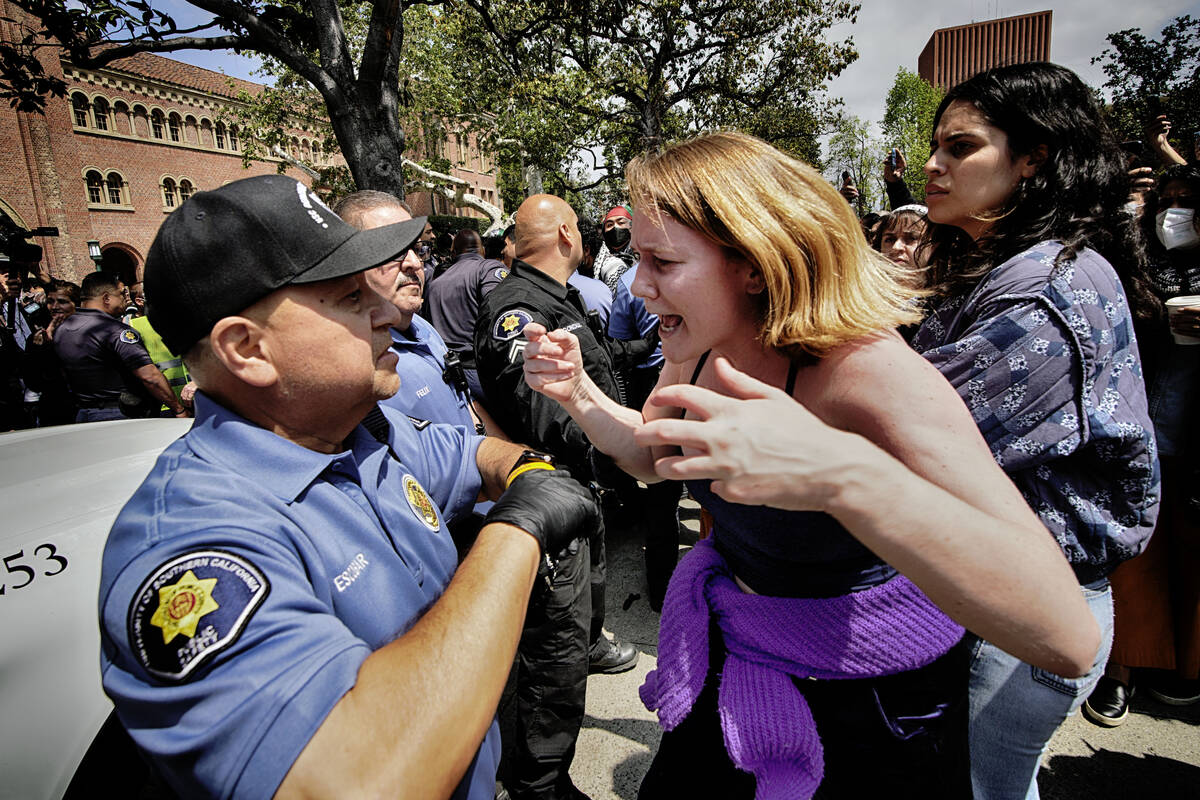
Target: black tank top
(788,553)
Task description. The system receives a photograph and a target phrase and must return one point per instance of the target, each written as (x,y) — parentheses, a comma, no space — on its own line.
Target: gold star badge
(510,322)
(181,606)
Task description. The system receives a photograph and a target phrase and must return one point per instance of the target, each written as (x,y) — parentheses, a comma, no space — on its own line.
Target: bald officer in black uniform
(548,252)
(102,357)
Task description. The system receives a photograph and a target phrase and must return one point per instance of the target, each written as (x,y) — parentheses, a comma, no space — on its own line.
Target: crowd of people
(932,445)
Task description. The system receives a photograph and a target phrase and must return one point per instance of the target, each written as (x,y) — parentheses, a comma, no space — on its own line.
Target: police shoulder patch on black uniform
(510,323)
(130,336)
(501,273)
(191,608)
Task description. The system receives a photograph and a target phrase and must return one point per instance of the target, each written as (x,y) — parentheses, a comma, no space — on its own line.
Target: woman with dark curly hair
(1157,596)
(1037,280)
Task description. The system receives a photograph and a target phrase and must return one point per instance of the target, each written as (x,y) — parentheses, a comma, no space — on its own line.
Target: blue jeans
(1015,708)
(99,414)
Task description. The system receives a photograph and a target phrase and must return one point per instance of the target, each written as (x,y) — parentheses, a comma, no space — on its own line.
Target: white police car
(60,489)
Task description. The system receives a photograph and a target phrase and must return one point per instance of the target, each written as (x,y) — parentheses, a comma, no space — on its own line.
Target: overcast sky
(890,34)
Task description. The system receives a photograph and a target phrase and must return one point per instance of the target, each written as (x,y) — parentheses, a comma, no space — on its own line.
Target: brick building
(954,54)
(130,142)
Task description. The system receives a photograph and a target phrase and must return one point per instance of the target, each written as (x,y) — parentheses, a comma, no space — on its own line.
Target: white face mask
(1176,228)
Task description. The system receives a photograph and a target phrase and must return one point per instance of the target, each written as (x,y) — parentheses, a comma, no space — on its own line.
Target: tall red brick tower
(954,54)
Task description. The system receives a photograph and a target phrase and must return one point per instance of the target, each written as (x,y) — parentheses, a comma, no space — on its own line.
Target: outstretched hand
(757,444)
(553,363)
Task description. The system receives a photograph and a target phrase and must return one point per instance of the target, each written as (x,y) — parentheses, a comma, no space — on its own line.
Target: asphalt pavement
(1155,754)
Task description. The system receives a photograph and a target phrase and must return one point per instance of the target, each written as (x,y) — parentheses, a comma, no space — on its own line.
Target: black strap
(793,371)
(699,366)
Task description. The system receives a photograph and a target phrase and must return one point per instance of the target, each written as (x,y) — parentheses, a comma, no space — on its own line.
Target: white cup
(1173,306)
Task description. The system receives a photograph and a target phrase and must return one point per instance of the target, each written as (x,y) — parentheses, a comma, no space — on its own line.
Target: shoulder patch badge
(501,273)
(419,424)
(190,609)
(130,336)
(420,503)
(509,324)
(516,351)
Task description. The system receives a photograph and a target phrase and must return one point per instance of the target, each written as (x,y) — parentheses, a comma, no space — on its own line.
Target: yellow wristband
(526,467)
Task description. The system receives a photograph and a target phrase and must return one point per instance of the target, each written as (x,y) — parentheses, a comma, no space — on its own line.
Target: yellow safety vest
(169,364)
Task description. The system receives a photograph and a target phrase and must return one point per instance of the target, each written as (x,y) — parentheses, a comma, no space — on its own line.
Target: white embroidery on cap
(303,192)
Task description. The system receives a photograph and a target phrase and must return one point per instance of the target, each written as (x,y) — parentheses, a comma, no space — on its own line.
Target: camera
(13,244)
(893,158)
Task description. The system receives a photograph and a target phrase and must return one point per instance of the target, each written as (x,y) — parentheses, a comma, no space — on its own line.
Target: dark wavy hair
(1077,196)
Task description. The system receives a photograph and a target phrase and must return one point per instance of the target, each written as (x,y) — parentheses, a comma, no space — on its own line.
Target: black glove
(550,506)
(628,353)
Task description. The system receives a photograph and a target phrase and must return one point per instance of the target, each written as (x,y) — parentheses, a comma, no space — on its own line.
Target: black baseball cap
(223,250)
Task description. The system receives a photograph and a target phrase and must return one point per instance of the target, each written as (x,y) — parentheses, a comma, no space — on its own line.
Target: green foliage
(908,124)
(853,149)
(448,223)
(545,88)
(1147,77)
(610,78)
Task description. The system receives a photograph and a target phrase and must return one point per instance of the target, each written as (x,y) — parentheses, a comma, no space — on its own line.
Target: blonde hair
(825,286)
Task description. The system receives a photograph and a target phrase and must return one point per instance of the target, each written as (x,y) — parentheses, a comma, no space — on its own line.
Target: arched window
(156,124)
(95,187)
(233,136)
(174,126)
(185,189)
(100,107)
(220,129)
(170,199)
(79,105)
(116,189)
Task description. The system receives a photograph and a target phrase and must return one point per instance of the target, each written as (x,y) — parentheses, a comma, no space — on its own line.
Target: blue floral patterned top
(1046,360)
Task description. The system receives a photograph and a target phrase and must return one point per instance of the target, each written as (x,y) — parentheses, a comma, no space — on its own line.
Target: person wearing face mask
(1157,595)
(615,256)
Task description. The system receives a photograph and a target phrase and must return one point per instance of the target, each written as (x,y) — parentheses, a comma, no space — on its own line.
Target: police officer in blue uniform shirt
(453,306)
(432,386)
(104,358)
(551,667)
(280,608)
(421,350)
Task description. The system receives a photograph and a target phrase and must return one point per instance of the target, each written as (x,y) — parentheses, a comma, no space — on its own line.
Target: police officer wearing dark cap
(105,362)
(548,251)
(282,611)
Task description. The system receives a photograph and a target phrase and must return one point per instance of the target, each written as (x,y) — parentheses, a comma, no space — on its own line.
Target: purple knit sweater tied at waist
(767,725)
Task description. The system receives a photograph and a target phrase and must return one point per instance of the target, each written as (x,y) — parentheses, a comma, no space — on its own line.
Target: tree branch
(110,54)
